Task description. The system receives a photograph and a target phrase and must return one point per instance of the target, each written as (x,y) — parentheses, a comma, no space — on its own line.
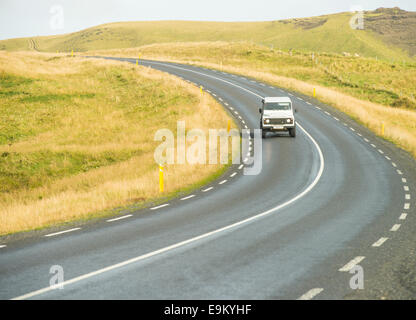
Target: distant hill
(388,34)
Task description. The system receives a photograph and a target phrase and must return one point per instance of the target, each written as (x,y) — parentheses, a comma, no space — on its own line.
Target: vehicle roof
(277,99)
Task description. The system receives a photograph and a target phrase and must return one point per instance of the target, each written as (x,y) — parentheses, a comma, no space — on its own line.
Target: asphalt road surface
(331,199)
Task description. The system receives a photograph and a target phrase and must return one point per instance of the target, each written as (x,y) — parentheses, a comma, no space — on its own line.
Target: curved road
(331,198)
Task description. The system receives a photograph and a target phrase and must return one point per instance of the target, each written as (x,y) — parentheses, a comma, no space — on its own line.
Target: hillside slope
(330,33)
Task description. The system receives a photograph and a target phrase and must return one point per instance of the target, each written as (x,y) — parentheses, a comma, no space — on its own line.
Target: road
(334,197)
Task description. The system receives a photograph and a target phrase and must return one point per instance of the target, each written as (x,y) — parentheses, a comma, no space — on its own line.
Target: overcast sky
(24,18)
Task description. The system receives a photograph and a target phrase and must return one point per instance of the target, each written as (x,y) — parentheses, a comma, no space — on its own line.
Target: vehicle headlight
(267,121)
(289,120)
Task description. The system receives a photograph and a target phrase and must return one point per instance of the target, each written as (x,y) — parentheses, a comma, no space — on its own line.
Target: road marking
(223,181)
(231,108)
(359,134)
(399,172)
(226,104)
(233,175)
(407,196)
(208,91)
(221,99)
(381,151)
(159,207)
(208,189)
(214,94)
(394,165)
(188,197)
(194,239)
(403,216)
(406,188)
(406,206)
(308,103)
(336,118)
(388,158)
(61,232)
(395,227)
(2,246)
(379,242)
(311,294)
(318,108)
(326,112)
(373,145)
(262,84)
(240,167)
(300,99)
(352,129)
(404,180)
(366,140)
(351,264)
(120,218)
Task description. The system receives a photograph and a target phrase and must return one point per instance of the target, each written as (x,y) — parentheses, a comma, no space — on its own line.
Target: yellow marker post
(201,89)
(72,53)
(161,186)
(137,62)
(314,92)
(229,126)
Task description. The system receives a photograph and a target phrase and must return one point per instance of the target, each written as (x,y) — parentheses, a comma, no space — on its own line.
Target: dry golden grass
(121,119)
(400,123)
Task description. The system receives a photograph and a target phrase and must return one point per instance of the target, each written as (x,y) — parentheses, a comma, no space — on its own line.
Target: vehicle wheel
(292,132)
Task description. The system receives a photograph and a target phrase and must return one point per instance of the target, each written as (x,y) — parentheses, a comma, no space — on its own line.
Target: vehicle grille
(278,121)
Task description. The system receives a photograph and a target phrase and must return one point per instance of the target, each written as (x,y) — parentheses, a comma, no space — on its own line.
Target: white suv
(277,115)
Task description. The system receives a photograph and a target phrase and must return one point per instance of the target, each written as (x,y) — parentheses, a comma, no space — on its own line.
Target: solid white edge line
(352,264)
(61,232)
(311,294)
(120,218)
(194,239)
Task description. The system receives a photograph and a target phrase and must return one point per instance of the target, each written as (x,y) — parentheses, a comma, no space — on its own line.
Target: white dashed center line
(188,197)
(403,216)
(208,189)
(352,264)
(159,207)
(223,181)
(311,294)
(379,242)
(120,218)
(395,227)
(62,232)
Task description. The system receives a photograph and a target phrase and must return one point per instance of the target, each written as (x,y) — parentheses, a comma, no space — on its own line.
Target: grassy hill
(77,137)
(383,36)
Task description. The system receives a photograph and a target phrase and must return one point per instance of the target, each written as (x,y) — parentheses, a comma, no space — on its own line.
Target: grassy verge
(369,90)
(76,137)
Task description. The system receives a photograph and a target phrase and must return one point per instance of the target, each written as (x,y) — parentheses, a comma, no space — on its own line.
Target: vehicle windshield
(277,106)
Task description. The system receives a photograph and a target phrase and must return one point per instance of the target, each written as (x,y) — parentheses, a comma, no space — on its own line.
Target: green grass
(77,137)
(378,81)
(330,33)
